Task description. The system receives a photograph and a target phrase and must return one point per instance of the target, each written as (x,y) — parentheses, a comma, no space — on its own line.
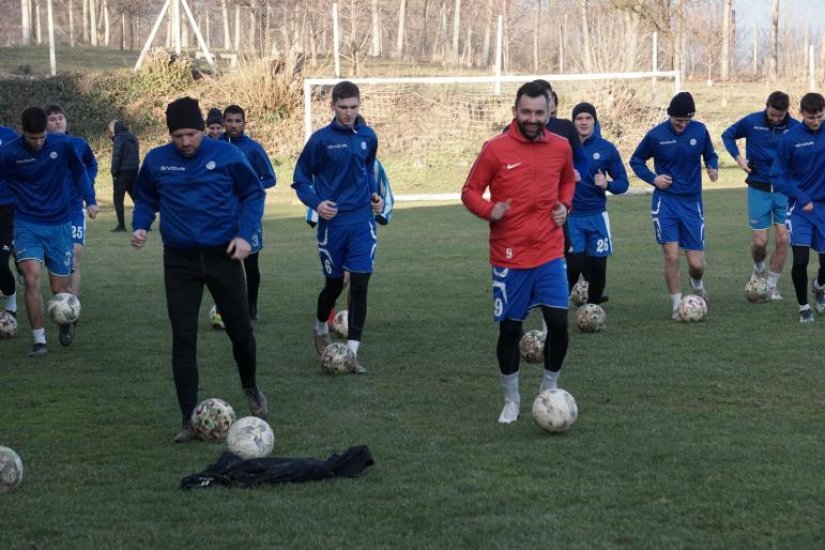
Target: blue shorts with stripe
(50,244)
(78,223)
(807,228)
(678,221)
(516,291)
(766,208)
(590,234)
(347,248)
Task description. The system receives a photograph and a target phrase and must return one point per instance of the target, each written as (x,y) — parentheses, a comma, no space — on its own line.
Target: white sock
(510,384)
(759,267)
(353,345)
(773,279)
(805,307)
(543,325)
(675,300)
(11,302)
(549,380)
(816,283)
(39,335)
(321,327)
(696,284)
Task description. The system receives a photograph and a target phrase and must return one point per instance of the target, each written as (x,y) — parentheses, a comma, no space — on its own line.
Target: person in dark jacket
(125,164)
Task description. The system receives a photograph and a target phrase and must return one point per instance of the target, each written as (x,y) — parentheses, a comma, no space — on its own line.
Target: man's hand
(92,210)
(238,249)
(377,203)
(327,209)
(743,163)
(808,207)
(138,238)
(499,209)
(559,214)
(662,181)
(578,176)
(713,174)
(600,180)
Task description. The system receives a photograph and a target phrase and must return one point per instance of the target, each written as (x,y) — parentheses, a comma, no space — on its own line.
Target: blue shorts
(766,208)
(807,228)
(590,234)
(51,244)
(677,221)
(79,227)
(347,248)
(516,291)
(257,240)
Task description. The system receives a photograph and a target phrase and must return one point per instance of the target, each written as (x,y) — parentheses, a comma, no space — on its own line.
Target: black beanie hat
(584,108)
(184,113)
(682,105)
(214,116)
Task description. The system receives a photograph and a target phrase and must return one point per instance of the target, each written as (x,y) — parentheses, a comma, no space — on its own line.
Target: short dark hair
(544,84)
(532,89)
(54,109)
(234,110)
(812,103)
(34,120)
(555,96)
(345,90)
(778,100)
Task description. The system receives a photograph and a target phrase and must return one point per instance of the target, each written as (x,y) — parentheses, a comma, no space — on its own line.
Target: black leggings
(799,272)
(555,348)
(6,239)
(253,280)
(357,302)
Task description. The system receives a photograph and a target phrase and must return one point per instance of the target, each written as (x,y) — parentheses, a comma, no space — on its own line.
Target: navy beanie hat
(214,116)
(585,108)
(184,113)
(682,105)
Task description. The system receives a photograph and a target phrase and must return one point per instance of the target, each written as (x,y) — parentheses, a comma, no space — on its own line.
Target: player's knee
(334,285)
(760,241)
(782,239)
(358,282)
(509,330)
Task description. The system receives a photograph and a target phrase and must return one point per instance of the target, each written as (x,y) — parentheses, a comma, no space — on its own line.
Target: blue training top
(798,170)
(602,156)
(204,201)
(256,156)
(89,161)
(760,149)
(677,156)
(6,135)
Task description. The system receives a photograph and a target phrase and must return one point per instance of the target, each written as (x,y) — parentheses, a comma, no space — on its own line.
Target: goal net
(430,129)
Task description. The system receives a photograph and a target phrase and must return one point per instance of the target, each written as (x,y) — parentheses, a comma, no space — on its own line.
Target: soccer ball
(555,410)
(692,309)
(212,418)
(8,325)
(250,437)
(340,325)
(11,470)
(531,346)
(215,319)
(337,359)
(580,292)
(590,318)
(64,308)
(757,291)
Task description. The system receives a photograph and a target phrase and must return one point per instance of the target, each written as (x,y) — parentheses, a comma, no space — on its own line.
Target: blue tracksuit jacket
(602,156)
(6,135)
(760,150)
(256,156)
(798,170)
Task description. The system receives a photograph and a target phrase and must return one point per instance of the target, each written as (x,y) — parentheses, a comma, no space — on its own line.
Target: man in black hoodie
(125,164)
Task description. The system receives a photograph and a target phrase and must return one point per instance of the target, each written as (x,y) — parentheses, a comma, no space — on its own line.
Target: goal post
(430,129)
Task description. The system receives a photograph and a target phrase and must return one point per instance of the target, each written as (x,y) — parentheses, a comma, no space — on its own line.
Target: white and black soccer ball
(531,346)
(215,318)
(64,308)
(11,470)
(555,410)
(250,437)
(8,325)
(340,323)
(692,309)
(337,358)
(580,293)
(591,318)
(757,291)
(212,418)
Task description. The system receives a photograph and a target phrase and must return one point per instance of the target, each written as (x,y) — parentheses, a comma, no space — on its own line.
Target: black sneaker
(66,334)
(38,350)
(257,402)
(119,229)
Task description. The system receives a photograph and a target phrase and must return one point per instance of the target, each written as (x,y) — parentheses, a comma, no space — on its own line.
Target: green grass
(689,436)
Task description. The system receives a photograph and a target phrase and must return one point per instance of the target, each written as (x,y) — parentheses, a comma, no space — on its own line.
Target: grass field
(689,436)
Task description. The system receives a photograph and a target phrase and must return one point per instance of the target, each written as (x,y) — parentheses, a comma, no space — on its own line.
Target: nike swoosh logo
(511,166)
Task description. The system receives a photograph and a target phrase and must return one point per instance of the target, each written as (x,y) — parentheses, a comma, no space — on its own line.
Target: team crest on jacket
(364,145)
(53,155)
(210,165)
(596,156)
(693,141)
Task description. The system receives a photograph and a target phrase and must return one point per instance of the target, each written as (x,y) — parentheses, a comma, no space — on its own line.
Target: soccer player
(529,173)
(677,147)
(210,203)
(125,164)
(335,177)
(7,287)
(588,224)
(58,124)
(766,207)
(44,173)
(214,123)
(234,120)
(798,172)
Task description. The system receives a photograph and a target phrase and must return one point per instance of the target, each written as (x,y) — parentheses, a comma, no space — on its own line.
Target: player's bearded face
(531,115)
(775,116)
(187,140)
(235,124)
(679,123)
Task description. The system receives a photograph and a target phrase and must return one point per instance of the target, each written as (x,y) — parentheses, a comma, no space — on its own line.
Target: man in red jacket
(529,172)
